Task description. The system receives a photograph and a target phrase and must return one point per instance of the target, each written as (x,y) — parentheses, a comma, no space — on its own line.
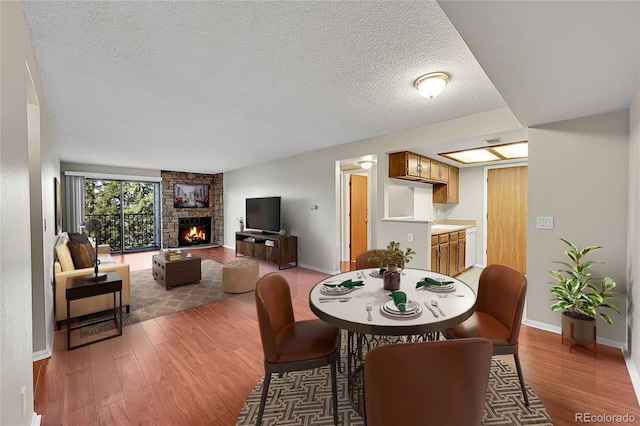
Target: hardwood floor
(198,366)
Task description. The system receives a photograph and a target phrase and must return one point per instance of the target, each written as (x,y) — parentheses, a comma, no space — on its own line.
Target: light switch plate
(410,238)
(544,222)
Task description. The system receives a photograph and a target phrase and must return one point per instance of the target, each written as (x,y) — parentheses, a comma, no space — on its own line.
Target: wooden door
(358,214)
(507,217)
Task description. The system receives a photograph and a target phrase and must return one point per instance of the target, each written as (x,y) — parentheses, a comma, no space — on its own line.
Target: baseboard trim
(558,330)
(633,373)
(36,419)
(634,376)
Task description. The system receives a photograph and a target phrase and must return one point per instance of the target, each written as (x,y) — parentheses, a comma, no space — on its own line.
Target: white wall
(15,242)
(633,256)
(313,179)
(471,204)
(578,173)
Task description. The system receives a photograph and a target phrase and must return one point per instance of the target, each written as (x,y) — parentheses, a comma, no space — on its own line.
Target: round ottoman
(239,276)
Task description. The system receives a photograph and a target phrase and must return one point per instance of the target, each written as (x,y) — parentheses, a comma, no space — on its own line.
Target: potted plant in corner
(389,261)
(577,295)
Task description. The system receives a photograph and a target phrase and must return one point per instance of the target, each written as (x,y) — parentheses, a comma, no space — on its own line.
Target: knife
(334,298)
(435,314)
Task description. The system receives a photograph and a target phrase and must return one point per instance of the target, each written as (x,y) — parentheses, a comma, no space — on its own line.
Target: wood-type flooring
(198,366)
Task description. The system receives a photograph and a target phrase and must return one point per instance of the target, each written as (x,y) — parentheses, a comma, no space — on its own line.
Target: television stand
(273,248)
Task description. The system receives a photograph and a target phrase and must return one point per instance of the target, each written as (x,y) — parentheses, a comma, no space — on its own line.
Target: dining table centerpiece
(391,263)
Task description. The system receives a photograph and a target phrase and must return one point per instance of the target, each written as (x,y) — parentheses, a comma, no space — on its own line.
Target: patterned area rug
(150,299)
(304,398)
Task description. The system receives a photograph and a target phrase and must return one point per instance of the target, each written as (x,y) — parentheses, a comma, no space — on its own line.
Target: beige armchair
(64,270)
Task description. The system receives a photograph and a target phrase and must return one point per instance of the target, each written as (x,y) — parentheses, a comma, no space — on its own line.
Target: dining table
(357,302)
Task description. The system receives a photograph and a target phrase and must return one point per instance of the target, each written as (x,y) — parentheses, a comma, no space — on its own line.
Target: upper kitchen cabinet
(417,168)
(409,166)
(449,193)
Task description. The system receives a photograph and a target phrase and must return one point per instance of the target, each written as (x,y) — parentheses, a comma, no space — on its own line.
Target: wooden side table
(81,288)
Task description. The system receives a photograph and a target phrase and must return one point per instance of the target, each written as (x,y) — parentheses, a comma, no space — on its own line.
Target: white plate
(335,291)
(410,307)
(398,314)
(441,289)
(375,274)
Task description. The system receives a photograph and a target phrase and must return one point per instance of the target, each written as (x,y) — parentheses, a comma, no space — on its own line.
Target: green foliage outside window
(115,201)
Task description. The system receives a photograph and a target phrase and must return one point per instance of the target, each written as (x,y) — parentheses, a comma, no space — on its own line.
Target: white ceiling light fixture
(507,151)
(431,85)
(366,164)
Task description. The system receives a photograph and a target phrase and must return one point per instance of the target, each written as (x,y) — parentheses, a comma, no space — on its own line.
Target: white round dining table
(352,314)
(348,311)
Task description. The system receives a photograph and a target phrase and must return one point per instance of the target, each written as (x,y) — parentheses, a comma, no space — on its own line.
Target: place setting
(438,285)
(339,287)
(400,307)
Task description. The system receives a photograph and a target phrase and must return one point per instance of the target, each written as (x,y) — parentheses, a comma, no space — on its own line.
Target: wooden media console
(273,248)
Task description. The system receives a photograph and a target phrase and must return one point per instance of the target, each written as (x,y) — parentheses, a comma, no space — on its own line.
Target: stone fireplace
(194,231)
(172,234)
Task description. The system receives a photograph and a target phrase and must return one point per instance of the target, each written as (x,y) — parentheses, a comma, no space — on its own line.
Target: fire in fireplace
(194,231)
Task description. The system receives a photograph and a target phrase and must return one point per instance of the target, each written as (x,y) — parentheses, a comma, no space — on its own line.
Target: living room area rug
(304,398)
(150,299)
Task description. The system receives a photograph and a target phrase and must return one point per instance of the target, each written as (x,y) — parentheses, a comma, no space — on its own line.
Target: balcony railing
(139,231)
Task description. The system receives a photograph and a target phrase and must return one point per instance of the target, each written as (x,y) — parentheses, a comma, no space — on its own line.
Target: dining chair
(291,345)
(363,262)
(498,313)
(427,383)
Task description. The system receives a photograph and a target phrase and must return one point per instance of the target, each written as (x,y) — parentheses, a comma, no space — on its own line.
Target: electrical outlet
(544,222)
(410,238)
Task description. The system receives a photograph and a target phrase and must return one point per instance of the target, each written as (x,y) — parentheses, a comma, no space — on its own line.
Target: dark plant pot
(583,328)
(391,280)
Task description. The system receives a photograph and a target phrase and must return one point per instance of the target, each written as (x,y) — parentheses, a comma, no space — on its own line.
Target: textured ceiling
(237,83)
(555,60)
(214,86)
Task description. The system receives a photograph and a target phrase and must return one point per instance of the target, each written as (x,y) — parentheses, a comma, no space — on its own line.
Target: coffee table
(173,273)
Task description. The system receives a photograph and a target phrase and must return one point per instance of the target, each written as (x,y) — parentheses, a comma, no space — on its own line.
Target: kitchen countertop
(460,224)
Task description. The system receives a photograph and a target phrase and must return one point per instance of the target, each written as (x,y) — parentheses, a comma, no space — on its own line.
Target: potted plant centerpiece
(577,295)
(389,261)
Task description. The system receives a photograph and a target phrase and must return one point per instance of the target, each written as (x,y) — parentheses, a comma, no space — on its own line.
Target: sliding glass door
(129,211)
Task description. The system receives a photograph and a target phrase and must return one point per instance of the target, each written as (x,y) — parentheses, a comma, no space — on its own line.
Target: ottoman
(239,276)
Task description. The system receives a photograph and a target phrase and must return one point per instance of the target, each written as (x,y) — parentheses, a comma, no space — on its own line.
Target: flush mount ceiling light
(432,84)
(366,164)
(508,151)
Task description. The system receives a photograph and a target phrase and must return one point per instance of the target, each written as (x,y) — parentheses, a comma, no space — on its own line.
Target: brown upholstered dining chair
(498,313)
(427,383)
(363,262)
(291,345)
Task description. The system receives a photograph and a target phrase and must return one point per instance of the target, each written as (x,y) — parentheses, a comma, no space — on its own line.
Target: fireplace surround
(194,231)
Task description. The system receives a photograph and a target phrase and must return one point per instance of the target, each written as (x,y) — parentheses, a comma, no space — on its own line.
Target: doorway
(358,214)
(353,208)
(506,216)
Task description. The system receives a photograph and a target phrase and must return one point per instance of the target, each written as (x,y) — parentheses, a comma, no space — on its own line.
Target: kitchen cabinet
(417,168)
(448,253)
(449,193)
(408,166)
(440,253)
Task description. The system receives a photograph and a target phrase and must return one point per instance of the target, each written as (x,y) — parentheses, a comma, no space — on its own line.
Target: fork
(452,295)
(341,299)
(369,308)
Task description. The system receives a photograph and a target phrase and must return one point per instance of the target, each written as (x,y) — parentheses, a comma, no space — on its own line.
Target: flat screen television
(190,196)
(263,214)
